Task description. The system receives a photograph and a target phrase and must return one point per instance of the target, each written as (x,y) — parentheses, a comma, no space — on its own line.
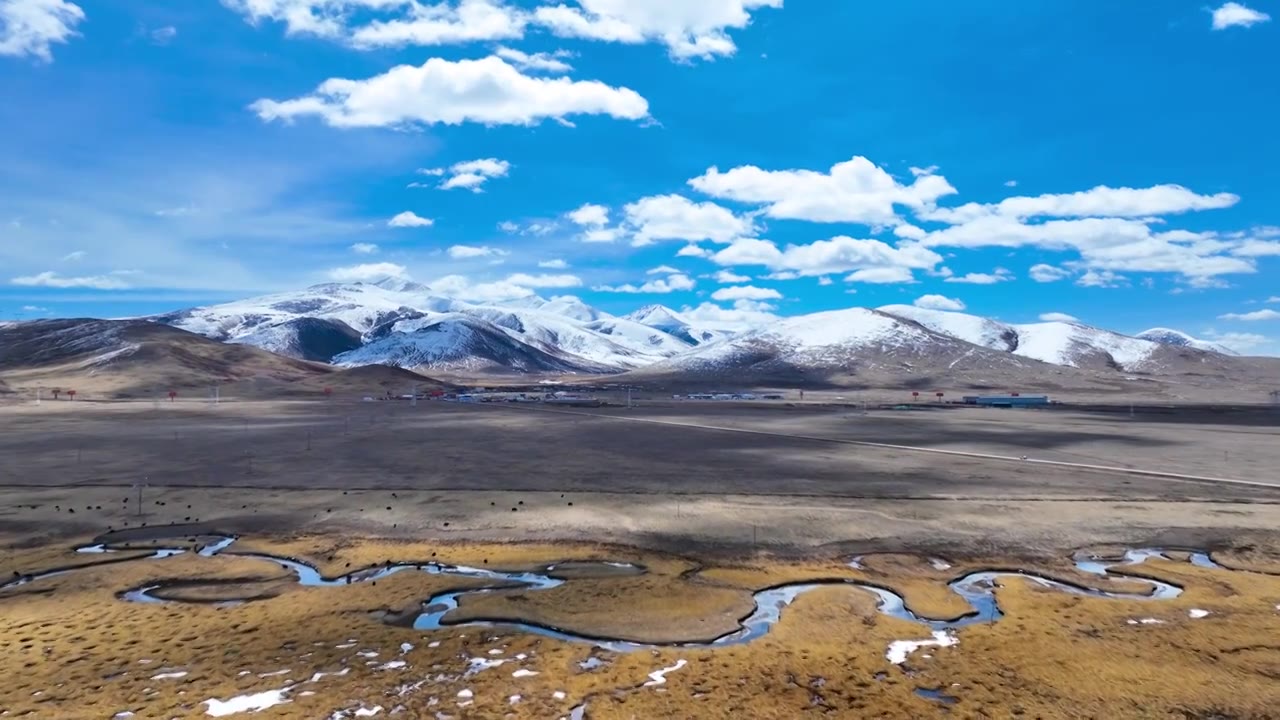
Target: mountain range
(407,325)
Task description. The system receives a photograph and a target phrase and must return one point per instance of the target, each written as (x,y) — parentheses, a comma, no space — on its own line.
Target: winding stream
(976,588)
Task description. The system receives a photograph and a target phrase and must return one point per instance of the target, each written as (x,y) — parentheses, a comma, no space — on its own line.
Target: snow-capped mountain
(405,324)
(669,321)
(860,344)
(1166,336)
(1058,343)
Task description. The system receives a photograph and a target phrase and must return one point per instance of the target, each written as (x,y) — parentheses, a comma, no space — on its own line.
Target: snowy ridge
(1058,343)
(1177,338)
(669,321)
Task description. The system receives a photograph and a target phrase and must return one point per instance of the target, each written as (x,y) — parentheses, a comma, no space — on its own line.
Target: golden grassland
(70,649)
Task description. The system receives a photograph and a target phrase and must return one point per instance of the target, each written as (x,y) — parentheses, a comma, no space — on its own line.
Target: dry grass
(78,652)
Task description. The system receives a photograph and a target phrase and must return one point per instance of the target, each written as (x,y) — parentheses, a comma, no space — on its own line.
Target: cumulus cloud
(52,279)
(1043,273)
(1058,317)
(938,302)
(461,287)
(536,62)
(855,191)
(556,264)
(746,292)
(728,276)
(364,248)
(544,280)
(471,174)
(1101,279)
(867,258)
(1254,247)
(998,275)
(661,286)
(590,215)
(663,270)
(408,219)
(1234,14)
(693,251)
(467,252)
(1102,202)
(743,315)
(28,28)
(1245,343)
(675,217)
(488,91)
(1254,316)
(687,29)
(369,272)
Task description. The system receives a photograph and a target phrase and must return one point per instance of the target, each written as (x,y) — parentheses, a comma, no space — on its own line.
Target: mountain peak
(1177,338)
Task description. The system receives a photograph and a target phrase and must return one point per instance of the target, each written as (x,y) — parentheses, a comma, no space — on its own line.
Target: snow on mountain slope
(970,328)
(855,343)
(1057,343)
(1177,338)
(458,342)
(304,338)
(661,317)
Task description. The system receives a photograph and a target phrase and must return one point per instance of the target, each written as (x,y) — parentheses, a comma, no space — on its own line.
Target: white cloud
(1234,14)
(536,62)
(1254,316)
(661,286)
(998,276)
(1256,248)
(1011,183)
(458,286)
(30,27)
(1058,317)
(408,219)
(180,211)
(75,256)
(1115,244)
(1245,343)
(440,24)
(824,257)
(728,276)
(465,252)
(693,251)
(688,29)
(1043,273)
(745,314)
(473,174)
(675,217)
(746,292)
(544,280)
(1273,299)
(556,264)
(163,35)
(34,308)
(938,302)
(364,248)
(882,276)
(663,270)
(433,172)
(590,215)
(488,91)
(1100,202)
(782,275)
(1101,278)
(824,281)
(54,280)
(508,227)
(369,272)
(856,191)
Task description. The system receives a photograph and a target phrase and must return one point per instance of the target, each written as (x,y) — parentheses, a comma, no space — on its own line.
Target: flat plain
(714,500)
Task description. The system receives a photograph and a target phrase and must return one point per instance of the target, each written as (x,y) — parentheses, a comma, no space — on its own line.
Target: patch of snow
(405,648)
(247,703)
(522,673)
(939,564)
(369,712)
(558,695)
(273,674)
(320,675)
(392,665)
(899,650)
(433,644)
(465,694)
(513,699)
(1145,621)
(1197,613)
(659,677)
(170,675)
(477,664)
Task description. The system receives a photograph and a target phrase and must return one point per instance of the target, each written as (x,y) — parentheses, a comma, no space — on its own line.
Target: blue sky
(1116,162)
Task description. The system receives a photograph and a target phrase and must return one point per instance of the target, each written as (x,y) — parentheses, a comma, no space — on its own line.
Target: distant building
(1007,400)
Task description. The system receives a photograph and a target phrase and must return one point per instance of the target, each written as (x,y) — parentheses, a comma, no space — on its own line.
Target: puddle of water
(937,695)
